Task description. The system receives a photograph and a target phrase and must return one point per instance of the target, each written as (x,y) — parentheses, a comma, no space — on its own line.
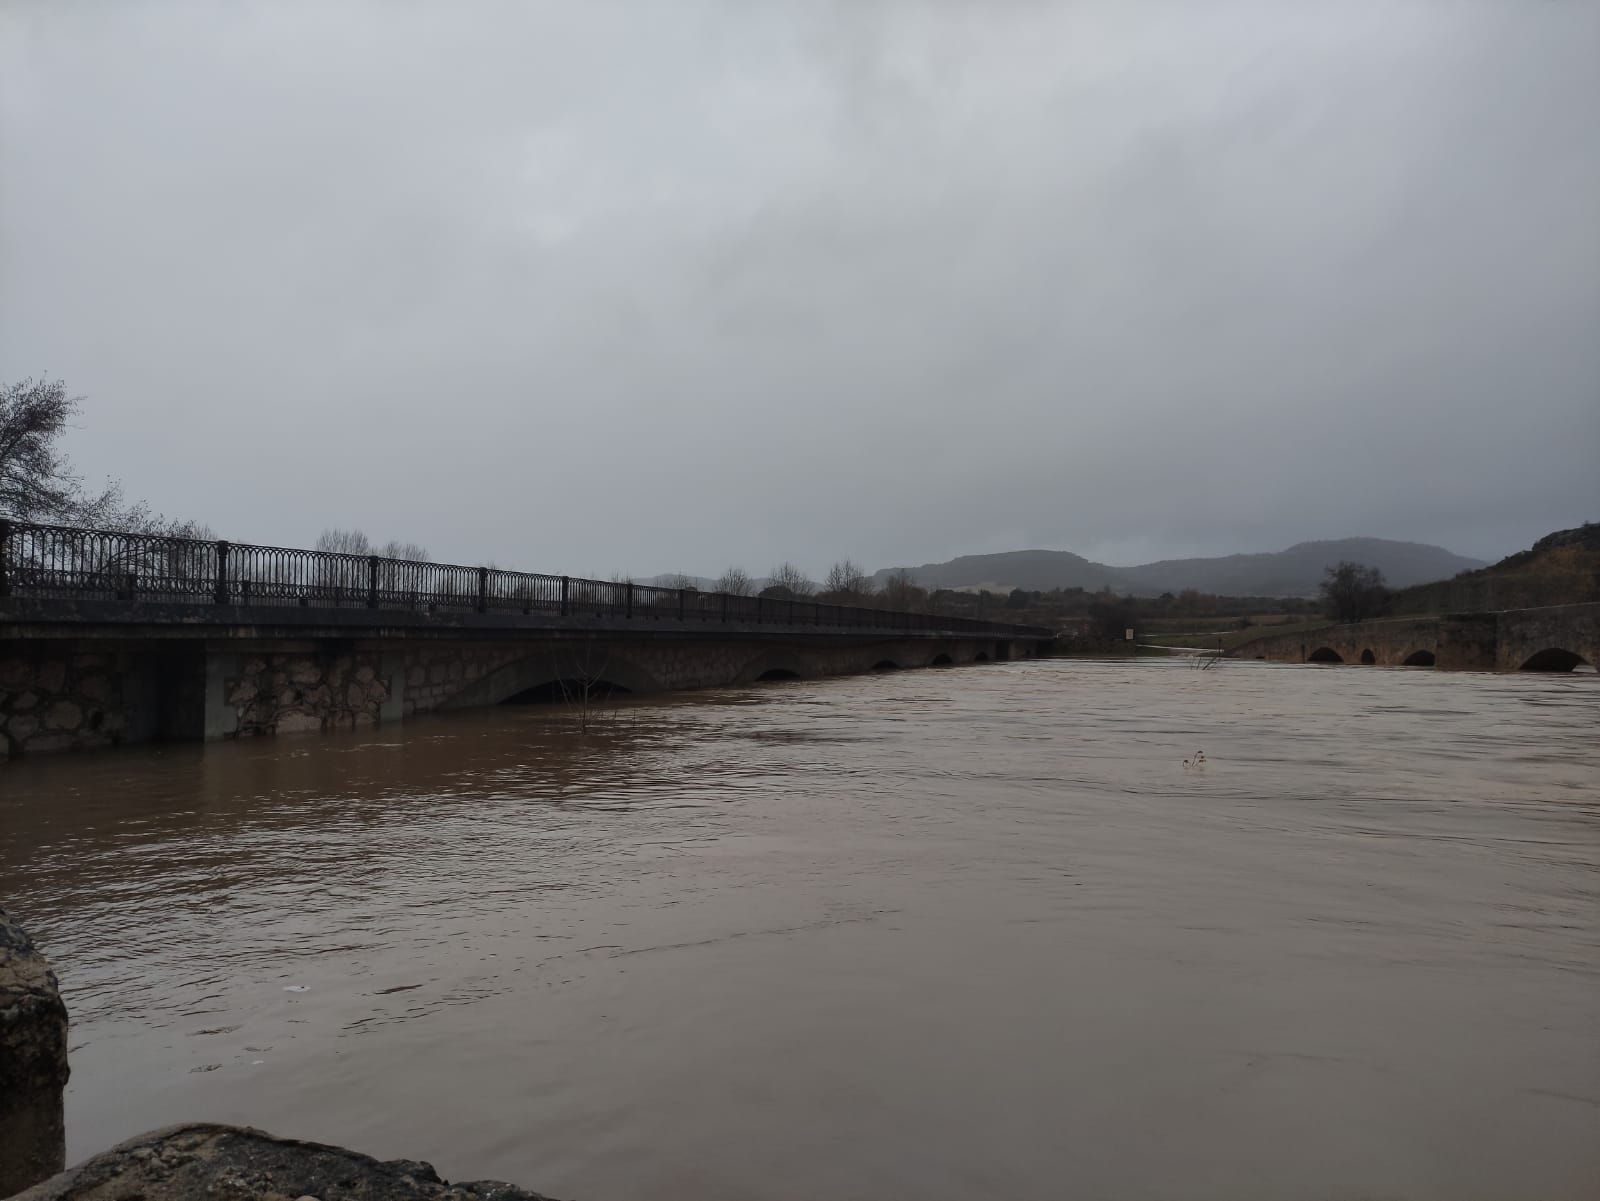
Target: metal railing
(50,562)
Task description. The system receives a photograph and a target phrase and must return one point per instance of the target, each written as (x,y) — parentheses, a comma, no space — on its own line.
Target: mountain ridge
(1294,571)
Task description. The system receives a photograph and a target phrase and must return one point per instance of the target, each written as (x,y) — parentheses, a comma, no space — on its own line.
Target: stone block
(243,692)
(21,728)
(53,676)
(26,700)
(15,674)
(365,674)
(415,676)
(63,715)
(297,723)
(96,688)
(304,671)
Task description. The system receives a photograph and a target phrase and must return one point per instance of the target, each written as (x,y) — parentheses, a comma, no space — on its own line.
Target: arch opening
(1368,657)
(1325,654)
(778,673)
(565,692)
(885,665)
(1418,659)
(981,657)
(941,661)
(1555,658)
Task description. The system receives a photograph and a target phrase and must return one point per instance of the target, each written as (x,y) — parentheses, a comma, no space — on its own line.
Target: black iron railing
(50,562)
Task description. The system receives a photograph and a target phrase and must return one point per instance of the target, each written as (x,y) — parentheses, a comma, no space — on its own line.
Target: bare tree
(847,582)
(1354,592)
(680,582)
(900,591)
(343,542)
(409,551)
(36,479)
(788,582)
(736,582)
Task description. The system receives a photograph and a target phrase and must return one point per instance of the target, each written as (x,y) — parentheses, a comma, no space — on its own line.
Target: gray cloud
(591,288)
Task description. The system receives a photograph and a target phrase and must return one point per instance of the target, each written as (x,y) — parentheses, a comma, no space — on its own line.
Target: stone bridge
(1553,638)
(90,674)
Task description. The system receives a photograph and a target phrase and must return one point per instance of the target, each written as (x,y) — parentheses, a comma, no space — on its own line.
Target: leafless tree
(36,480)
(680,582)
(900,591)
(736,582)
(847,582)
(794,583)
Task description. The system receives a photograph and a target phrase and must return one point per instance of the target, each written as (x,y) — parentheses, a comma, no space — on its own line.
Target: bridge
(109,637)
(1550,638)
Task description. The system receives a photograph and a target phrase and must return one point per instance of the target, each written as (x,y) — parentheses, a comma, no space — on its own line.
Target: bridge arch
(1554,658)
(885,665)
(1368,657)
(981,657)
(1325,654)
(777,663)
(941,660)
(1423,658)
(540,676)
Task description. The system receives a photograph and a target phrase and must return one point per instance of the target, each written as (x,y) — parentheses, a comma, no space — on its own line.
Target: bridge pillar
(1467,642)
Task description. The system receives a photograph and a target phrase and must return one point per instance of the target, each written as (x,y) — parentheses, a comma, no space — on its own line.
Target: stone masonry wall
(58,696)
(53,698)
(300,689)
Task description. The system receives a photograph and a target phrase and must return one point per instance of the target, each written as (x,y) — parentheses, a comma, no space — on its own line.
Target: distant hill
(1296,571)
(1562,568)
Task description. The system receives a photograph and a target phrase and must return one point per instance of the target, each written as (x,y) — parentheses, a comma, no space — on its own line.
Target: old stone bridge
(108,638)
(1553,638)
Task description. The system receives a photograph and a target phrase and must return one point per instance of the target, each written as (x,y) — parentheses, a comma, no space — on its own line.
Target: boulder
(201,1161)
(33,1063)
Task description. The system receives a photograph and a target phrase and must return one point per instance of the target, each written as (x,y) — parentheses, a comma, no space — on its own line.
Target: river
(972,932)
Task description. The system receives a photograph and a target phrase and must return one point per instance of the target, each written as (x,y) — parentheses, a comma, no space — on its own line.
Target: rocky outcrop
(33,1063)
(233,1163)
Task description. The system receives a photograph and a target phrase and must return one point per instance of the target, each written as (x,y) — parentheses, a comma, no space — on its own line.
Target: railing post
(222,572)
(5,554)
(565,582)
(758,610)
(483,590)
(628,600)
(372,581)
(724,608)
(683,596)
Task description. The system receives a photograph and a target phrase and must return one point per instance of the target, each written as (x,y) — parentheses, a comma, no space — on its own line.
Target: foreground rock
(232,1163)
(33,1063)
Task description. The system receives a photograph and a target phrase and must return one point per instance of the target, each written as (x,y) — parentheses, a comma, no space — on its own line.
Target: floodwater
(959,933)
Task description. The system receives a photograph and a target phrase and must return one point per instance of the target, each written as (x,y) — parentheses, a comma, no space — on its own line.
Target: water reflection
(968,931)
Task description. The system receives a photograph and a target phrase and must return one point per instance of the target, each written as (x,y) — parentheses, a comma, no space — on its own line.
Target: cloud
(590,288)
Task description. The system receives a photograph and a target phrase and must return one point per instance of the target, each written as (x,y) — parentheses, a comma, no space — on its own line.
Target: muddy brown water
(972,932)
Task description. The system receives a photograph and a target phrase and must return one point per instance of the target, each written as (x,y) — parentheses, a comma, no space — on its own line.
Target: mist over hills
(1296,571)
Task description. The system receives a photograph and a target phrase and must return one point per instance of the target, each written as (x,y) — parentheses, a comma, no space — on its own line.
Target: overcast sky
(596,287)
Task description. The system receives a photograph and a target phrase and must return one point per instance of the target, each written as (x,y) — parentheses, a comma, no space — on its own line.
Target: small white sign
(1128,633)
